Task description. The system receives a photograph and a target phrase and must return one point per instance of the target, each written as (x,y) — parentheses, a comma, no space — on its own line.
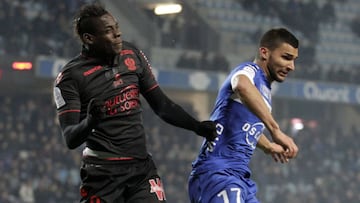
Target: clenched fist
(207,129)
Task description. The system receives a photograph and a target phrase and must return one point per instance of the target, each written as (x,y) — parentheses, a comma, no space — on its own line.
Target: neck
(263,65)
(109,59)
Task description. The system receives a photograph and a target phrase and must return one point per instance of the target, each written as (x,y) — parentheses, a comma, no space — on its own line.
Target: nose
(117,33)
(291,66)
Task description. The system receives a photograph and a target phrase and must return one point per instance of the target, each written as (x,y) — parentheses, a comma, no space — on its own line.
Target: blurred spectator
(187,60)
(26,192)
(206,61)
(355,25)
(219,62)
(328,12)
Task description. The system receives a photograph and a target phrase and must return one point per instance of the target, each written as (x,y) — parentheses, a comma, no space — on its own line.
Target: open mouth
(283,74)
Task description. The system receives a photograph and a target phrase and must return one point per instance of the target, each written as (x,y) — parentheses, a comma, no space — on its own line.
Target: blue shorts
(221,187)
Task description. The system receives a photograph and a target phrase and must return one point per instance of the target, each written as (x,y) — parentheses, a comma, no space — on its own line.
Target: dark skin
(107,40)
(106,43)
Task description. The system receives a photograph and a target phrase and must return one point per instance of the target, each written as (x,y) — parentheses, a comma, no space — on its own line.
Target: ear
(88,38)
(264,53)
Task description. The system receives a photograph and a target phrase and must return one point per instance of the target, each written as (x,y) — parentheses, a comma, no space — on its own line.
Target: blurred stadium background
(191,52)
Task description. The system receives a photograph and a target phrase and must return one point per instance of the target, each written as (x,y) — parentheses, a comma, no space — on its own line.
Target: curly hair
(84,19)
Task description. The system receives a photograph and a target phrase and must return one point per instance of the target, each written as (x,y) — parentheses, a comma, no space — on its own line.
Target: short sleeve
(248,71)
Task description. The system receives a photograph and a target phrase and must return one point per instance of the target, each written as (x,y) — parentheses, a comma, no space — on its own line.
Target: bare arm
(251,97)
(264,144)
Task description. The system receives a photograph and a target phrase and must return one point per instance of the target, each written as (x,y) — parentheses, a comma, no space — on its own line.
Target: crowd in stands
(326,170)
(334,73)
(304,16)
(36,166)
(39,27)
(209,62)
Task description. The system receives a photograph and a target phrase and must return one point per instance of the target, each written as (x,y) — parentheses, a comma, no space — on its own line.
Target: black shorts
(130,181)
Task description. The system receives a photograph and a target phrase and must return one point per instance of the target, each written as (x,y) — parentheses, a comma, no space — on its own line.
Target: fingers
(280,157)
(292,151)
(288,144)
(276,148)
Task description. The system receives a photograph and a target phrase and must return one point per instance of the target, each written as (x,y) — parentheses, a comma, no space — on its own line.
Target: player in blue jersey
(242,111)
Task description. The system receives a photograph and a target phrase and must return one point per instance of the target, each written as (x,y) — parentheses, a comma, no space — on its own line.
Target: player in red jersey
(97,95)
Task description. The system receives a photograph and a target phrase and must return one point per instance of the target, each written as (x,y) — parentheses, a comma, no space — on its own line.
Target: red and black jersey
(119,83)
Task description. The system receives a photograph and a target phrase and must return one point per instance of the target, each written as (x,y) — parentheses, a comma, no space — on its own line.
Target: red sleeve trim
(68,111)
(151,88)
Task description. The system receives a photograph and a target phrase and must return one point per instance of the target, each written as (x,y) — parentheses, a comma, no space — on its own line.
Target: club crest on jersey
(253,133)
(130,63)
(157,188)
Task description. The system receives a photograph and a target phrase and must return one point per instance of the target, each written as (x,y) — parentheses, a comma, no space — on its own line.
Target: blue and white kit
(221,172)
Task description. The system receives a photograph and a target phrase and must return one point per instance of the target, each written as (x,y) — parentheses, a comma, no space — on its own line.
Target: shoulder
(74,68)
(129,46)
(247,66)
(72,64)
(78,63)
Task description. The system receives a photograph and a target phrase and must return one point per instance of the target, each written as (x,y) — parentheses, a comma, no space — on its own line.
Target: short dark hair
(273,38)
(83,20)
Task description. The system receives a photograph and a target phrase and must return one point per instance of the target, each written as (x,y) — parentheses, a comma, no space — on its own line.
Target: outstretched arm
(175,115)
(252,98)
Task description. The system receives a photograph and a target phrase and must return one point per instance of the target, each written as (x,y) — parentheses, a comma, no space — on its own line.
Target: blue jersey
(238,128)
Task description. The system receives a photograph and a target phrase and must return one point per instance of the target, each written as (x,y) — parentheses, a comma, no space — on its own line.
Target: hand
(277,152)
(95,111)
(287,143)
(207,129)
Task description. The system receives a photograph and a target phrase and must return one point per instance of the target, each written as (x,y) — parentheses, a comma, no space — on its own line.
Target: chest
(106,81)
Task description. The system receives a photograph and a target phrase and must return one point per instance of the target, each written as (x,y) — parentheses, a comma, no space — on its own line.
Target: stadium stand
(36,167)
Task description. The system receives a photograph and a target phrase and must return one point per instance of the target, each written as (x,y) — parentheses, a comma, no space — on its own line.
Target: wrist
(273,128)
(196,126)
(267,148)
